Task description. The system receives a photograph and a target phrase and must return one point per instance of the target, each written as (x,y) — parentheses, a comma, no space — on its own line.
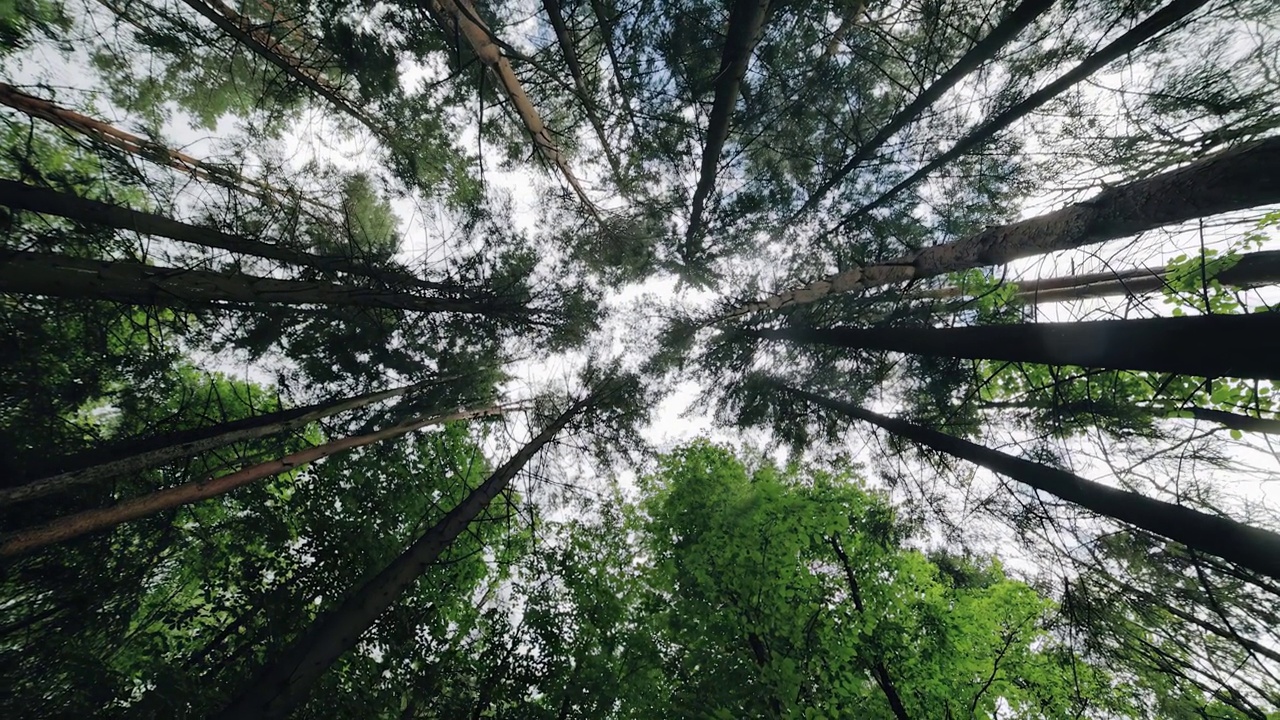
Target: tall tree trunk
(606,34)
(1233,421)
(1234,179)
(464,19)
(847,23)
(246,32)
(570,52)
(1118,48)
(1252,270)
(746,25)
(73,207)
(1244,346)
(286,681)
(137,283)
(1000,36)
(1247,546)
(878,668)
(133,456)
(72,526)
(143,148)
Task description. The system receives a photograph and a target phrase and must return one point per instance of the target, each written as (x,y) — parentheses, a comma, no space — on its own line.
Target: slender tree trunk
(1235,179)
(142,147)
(72,526)
(1000,36)
(244,31)
(1250,547)
(606,34)
(1121,46)
(569,50)
(286,681)
(746,25)
(1234,421)
(1252,270)
(1245,346)
(462,15)
(137,283)
(878,668)
(73,207)
(134,456)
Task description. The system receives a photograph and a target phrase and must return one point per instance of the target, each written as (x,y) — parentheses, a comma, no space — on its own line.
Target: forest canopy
(894,360)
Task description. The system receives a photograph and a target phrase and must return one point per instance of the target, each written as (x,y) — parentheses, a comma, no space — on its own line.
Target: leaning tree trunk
(286,681)
(1244,346)
(1160,20)
(134,456)
(1235,179)
(137,283)
(72,526)
(246,32)
(1000,36)
(746,25)
(461,16)
(1250,547)
(1227,419)
(73,207)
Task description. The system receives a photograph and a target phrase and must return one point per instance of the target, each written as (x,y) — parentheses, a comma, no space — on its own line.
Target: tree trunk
(246,33)
(569,50)
(878,668)
(72,526)
(1247,546)
(606,34)
(746,25)
(142,147)
(1233,421)
(137,283)
(1235,179)
(136,455)
(73,207)
(285,682)
(1121,46)
(462,15)
(1244,346)
(1001,35)
(847,23)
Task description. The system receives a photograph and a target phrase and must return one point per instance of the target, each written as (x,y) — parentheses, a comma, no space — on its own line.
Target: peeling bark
(1235,179)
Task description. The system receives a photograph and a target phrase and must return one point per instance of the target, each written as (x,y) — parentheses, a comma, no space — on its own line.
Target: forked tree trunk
(72,526)
(1159,21)
(137,455)
(1236,179)
(746,25)
(1000,36)
(287,680)
(1250,547)
(137,283)
(73,207)
(1243,346)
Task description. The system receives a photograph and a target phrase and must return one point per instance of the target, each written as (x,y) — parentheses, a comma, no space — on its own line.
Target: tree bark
(243,30)
(847,23)
(1235,179)
(1234,421)
(136,455)
(1000,36)
(286,681)
(569,50)
(462,15)
(73,207)
(1244,346)
(72,526)
(1250,547)
(1252,270)
(746,26)
(878,668)
(1121,46)
(137,283)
